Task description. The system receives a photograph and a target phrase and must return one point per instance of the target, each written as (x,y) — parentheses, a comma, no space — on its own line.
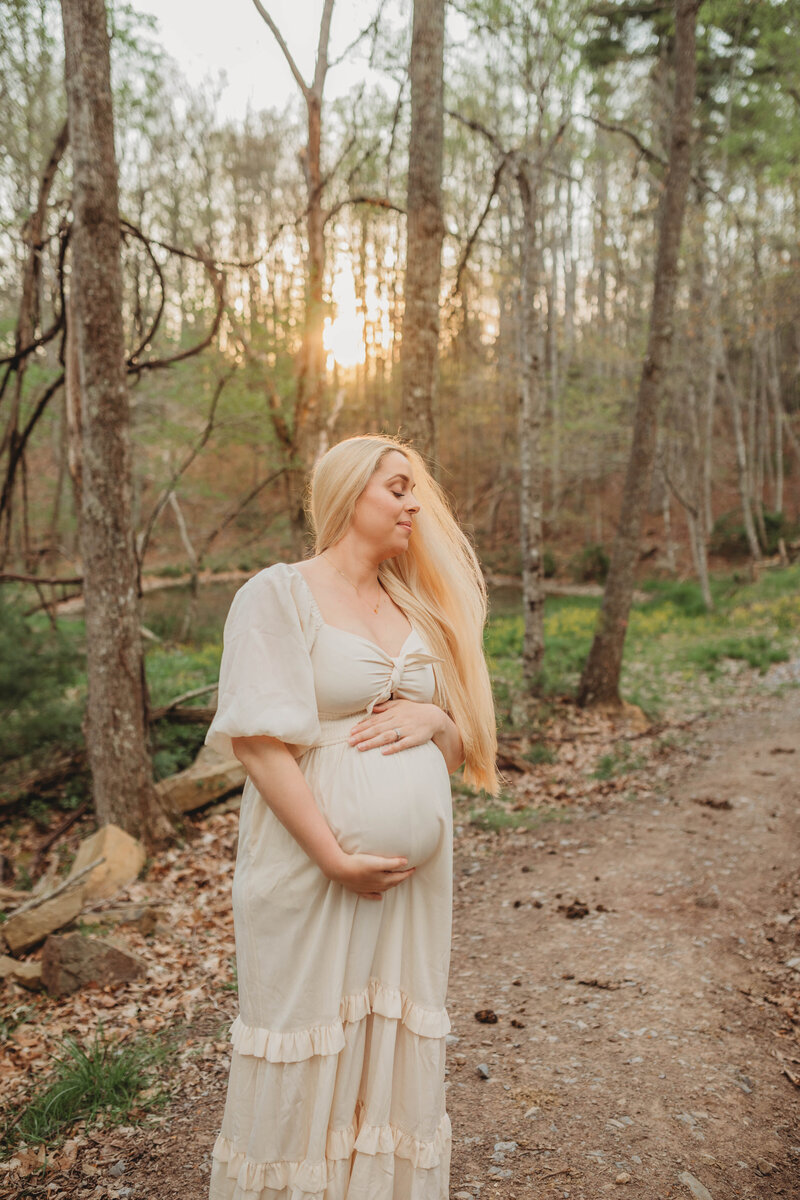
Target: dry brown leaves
(189,954)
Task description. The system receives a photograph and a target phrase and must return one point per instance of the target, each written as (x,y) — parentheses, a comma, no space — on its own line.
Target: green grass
(540,755)
(494,818)
(758,651)
(618,762)
(674,649)
(103,1080)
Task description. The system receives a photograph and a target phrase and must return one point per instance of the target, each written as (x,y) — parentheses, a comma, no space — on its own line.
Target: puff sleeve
(266,678)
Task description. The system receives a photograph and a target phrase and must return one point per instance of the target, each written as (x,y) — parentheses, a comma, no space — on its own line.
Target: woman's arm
(282,785)
(448,739)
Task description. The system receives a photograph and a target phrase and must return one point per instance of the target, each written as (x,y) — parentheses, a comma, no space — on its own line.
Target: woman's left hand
(416,721)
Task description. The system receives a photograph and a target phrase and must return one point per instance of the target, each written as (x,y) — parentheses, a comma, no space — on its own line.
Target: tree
(539,98)
(425,226)
(116,714)
(301,445)
(600,679)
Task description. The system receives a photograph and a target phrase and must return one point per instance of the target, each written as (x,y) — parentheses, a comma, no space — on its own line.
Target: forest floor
(639,948)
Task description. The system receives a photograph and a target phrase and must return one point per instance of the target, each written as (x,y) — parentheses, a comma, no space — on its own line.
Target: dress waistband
(337,729)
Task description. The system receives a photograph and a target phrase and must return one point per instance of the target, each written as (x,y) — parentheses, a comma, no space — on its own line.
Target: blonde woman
(352,685)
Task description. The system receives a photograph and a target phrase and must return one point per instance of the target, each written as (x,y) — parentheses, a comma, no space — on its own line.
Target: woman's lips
(404,524)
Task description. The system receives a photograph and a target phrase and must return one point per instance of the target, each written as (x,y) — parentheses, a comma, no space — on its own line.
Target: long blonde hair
(437,582)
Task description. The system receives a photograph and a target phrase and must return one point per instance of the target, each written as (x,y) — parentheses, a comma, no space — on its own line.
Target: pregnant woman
(352,684)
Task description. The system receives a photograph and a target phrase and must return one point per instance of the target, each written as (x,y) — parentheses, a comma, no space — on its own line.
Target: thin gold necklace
(353,586)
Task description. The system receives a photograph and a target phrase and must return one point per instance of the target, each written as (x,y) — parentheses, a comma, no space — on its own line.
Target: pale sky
(209,36)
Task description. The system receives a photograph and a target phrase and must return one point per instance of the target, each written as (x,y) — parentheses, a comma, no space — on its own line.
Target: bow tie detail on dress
(401,664)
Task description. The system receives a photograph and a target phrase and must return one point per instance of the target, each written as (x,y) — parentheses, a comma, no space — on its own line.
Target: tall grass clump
(102,1080)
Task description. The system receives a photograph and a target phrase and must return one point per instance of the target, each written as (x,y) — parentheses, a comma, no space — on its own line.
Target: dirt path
(640,1047)
(645,1054)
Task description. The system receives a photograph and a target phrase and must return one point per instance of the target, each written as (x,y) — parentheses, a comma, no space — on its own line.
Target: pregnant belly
(387,804)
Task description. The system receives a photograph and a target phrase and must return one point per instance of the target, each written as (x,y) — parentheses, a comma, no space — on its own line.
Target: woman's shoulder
(276,577)
(279,587)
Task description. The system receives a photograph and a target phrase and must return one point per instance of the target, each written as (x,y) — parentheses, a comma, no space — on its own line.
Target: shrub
(590,565)
(39,667)
(729,540)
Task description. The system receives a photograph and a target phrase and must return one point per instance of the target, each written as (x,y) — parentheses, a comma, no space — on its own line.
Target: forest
(556,247)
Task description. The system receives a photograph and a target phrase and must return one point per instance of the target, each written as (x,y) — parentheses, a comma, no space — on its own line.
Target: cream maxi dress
(336,1088)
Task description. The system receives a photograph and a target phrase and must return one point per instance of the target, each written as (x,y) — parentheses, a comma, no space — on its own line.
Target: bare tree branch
(24,351)
(321,67)
(18,441)
(375,201)
(10,577)
(478,127)
(395,123)
(234,512)
(167,491)
(154,324)
(371,28)
(470,242)
(614,127)
(217,282)
(293,67)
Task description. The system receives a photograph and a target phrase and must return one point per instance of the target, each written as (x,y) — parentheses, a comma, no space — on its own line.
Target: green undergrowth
(676,655)
(102,1081)
(498,813)
(496,818)
(620,761)
(674,649)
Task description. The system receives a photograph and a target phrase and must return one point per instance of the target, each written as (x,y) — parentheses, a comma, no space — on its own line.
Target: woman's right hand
(369,875)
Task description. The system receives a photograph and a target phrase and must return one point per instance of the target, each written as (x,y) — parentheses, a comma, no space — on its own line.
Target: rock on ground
(124,858)
(25,929)
(72,960)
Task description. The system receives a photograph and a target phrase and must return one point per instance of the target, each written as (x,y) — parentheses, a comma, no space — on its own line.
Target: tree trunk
(425,227)
(600,680)
(301,447)
(773,391)
(531,415)
(742,473)
(116,718)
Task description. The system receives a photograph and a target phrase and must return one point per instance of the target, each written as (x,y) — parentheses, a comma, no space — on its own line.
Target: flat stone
(28,974)
(72,960)
(25,929)
(124,858)
(698,1189)
(208,778)
(140,916)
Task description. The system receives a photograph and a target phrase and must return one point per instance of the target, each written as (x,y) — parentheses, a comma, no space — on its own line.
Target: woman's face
(385,510)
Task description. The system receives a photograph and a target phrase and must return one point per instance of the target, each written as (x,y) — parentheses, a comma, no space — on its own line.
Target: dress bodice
(285,672)
(352,673)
